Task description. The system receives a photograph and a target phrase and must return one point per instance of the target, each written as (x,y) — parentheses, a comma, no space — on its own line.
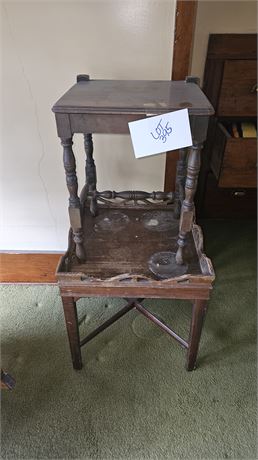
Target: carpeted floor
(133,398)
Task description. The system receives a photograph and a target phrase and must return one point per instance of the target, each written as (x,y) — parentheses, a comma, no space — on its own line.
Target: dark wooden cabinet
(228,177)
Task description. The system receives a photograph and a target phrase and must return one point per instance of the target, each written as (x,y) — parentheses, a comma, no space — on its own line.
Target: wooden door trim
(182,58)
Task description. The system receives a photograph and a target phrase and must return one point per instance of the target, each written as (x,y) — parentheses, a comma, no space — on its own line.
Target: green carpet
(133,398)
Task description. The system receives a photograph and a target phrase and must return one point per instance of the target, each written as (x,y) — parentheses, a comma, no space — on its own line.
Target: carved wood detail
(131,195)
(180,181)
(90,170)
(74,201)
(70,172)
(187,212)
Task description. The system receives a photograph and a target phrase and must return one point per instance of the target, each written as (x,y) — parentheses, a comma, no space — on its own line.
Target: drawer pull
(239,193)
(254,88)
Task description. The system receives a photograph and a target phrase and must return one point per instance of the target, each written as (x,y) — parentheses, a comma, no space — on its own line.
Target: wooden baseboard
(28,268)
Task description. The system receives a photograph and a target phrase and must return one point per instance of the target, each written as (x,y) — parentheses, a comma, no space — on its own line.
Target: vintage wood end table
(132,244)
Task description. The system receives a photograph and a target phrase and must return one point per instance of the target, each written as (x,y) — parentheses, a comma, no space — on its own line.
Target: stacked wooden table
(132,244)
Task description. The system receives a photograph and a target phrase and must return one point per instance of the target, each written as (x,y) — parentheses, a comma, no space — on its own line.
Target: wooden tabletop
(133,96)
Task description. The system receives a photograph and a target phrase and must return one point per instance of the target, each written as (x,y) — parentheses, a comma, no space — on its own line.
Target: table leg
(180,181)
(187,211)
(74,201)
(71,321)
(91,176)
(198,315)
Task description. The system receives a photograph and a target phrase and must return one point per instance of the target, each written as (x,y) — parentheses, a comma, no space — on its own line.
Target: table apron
(177,292)
(116,123)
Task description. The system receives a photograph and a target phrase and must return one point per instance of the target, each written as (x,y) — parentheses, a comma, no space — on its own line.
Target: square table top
(133,96)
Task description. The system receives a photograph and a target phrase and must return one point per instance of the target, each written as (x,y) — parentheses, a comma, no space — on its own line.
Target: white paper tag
(161,133)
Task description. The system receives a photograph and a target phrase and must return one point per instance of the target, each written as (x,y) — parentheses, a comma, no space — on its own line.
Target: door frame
(181,65)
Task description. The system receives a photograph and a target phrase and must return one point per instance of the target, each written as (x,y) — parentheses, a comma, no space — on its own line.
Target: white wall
(220,17)
(45,44)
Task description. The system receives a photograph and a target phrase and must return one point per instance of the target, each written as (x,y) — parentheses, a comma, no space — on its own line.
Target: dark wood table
(132,244)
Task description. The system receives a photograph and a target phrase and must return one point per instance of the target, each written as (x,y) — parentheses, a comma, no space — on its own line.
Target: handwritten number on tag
(161,132)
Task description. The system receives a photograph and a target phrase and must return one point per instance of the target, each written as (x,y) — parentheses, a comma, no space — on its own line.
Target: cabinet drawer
(233,160)
(228,203)
(237,94)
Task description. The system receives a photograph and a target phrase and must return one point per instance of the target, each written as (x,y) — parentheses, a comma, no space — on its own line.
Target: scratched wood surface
(120,241)
(133,96)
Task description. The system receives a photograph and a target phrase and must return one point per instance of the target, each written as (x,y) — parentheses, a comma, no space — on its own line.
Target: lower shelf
(134,245)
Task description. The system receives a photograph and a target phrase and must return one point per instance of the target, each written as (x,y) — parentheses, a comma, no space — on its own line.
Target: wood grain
(232,46)
(229,77)
(123,97)
(28,268)
(120,241)
(239,164)
(236,95)
(184,33)
(182,56)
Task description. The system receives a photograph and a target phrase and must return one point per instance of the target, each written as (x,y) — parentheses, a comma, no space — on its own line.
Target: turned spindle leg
(74,201)
(91,176)
(180,182)
(187,210)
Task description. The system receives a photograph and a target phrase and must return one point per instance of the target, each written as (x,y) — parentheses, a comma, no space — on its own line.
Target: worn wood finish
(131,228)
(132,195)
(125,251)
(90,170)
(182,57)
(180,290)
(230,73)
(28,268)
(198,315)
(72,326)
(187,211)
(117,266)
(74,200)
(99,123)
(180,181)
(132,97)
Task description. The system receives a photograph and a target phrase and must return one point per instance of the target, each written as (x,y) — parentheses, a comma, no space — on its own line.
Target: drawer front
(234,160)
(228,203)
(239,164)
(237,94)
